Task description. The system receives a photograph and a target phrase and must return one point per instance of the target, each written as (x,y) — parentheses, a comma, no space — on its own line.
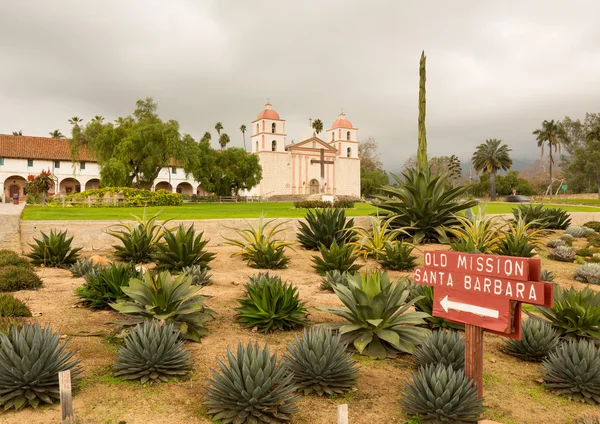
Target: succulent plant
(12,258)
(10,306)
(553,244)
(252,388)
(371,241)
(30,360)
(520,239)
(331,278)
(320,364)
(53,250)
(442,347)
(324,227)
(14,278)
(537,341)
(543,217)
(424,303)
(594,225)
(138,240)
(547,275)
(398,256)
(200,275)
(379,317)
(83,266)
(270,305)
(588,273)
(152,353)
(573,370)
(588,419)
(438,392)
(578,231)
(180,249)
(562,254)
(104,285)
(476,233)
(336,257)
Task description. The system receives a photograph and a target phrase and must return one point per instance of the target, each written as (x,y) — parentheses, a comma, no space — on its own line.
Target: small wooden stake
(342,414)
(474,355)
(66,399)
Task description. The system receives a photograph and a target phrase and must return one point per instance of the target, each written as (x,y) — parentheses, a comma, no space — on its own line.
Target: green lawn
(221,211)
(587,202)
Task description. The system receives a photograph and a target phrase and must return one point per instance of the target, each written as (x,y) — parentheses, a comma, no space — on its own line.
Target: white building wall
(276,174)
(348,177)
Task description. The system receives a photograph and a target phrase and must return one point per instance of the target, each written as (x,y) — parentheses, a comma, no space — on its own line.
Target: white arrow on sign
(465,307)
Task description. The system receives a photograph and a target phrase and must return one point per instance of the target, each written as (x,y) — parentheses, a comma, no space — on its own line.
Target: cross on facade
(323,162)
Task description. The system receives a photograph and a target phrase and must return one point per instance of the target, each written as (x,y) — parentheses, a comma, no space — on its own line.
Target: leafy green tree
(20,132)
(317,125)
(513,183)
(490,157)
(224,140)
(56,134)
(549,134)
(243,130)
(586,159)
(369,156)
(573,133)
(372,181)
(40,185)
(455,168)
(133,152)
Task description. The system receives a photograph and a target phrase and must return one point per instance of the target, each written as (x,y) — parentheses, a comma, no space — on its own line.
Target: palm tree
(224,140)
(549,133)
(243,130)
(75,120)
(206,137)
(98,118)
(491,157)
(20,132)
(317,125)
(56,134)
(218,127)
(593,135)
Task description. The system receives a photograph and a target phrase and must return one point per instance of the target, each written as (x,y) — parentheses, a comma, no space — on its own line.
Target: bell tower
(344,137)
(268,131)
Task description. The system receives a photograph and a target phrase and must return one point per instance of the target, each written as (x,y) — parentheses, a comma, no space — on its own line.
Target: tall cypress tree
(422,163)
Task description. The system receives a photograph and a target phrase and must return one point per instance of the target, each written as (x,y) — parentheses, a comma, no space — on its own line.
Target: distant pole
(66,399)
(342,414)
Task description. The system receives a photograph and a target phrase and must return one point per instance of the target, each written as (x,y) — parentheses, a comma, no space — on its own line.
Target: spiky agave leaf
(319,363)
(152,353)
(438,392)
(442,347)
(538,340)
(398,256)
(323,227)
(82,266)
(425,304)
(30,360)
(340,257)
(182,248)
(371,242)
(252,388)
(573,370)
(53,250)
(104,285)
(334,277)
(200,275)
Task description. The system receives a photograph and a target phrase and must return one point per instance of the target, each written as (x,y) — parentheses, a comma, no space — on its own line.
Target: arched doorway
(69,186)
(185,189)
(163,185)
(314,187)
(15,185)
(92,184)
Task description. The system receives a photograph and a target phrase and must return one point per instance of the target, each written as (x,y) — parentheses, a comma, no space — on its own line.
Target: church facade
(313,167)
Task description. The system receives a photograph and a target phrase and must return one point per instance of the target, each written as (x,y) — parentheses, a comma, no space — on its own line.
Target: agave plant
(152,353)
(30,360)
(105,285)
(53,250)
(260,247)
(538,340)
(181,249)
(172,300)
(324,226)
(542,217)
(575,313)
(594,225)
(82,266)
(520,239)
(573,370)
(371,242)
(568,239)
(547,275)
(476,234)
(424,303)
(588,273)
(331,278)
(200,275)
(578,231)
(270,305)
(423,204)
(442,347)
(335,258)
(439,392)
(553,244)
(320,364)
(379,316)
(139,239)
(562,254)
(10,306)
(398,256)
(252,388)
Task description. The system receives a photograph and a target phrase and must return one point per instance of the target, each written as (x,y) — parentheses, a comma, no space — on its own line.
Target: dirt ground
(512,391)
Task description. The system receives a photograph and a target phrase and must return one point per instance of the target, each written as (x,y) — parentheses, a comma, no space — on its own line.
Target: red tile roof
(25,147)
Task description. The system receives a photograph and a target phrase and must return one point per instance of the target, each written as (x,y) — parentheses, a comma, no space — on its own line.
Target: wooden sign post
(484,292)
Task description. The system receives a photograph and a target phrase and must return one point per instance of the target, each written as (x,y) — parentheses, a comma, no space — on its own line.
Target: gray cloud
(495,69)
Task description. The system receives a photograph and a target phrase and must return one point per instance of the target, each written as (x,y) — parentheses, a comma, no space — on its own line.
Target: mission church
(312,167)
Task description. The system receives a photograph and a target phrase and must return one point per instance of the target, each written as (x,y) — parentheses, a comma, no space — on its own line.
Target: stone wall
(10,237)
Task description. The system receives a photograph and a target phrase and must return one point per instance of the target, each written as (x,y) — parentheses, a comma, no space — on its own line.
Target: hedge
(314,204)
(126,196)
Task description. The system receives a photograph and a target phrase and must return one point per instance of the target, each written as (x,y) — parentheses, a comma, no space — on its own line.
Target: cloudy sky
(495,69)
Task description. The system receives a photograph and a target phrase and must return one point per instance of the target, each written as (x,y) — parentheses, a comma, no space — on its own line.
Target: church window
(348,135)
(273,146)
(257,129)
(332,136)
(349,152)
(314,144)
(257,146)
(273,127)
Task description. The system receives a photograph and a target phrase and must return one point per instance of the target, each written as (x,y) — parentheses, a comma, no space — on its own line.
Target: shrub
(398,257)
(83,266)
(520,239)
(130,197)
(152,353)
(424,303)
(584,251)
(53,250)
(14,278)
(568,239)
(252,388)
(324,226)
(424,203)
(593,239)
(578,231)
(379,316)
(12,258)
(260,247)
(172,300)
(10,306)
(588,273)
(271,305)
(336,258)
(105,285)
(543,218)
(588,419)
(320,364)
(594,225)
(138,240)
(200,276)
(442,393)
(553,244)
(575,313)
(537,341)
(7,323)
(30,360)
(547,275)
(182,249)
(562,254)
(371,242)
(320,204)
(331,278)
(442,347)
(573,370)
(476,234)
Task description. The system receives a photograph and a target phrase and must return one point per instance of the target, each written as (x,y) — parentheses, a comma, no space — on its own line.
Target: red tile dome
(342,122)
(268,113)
